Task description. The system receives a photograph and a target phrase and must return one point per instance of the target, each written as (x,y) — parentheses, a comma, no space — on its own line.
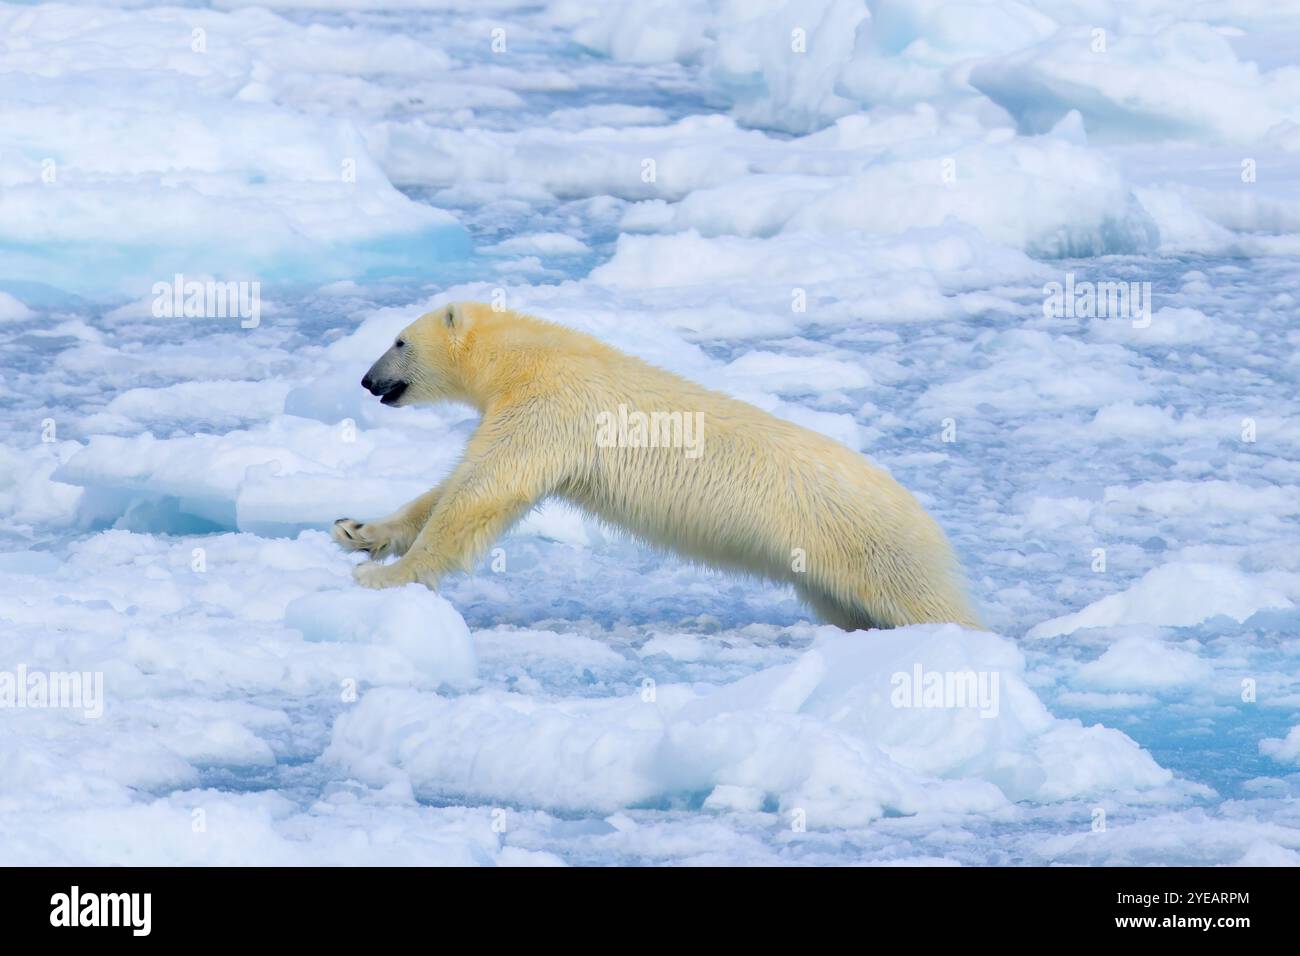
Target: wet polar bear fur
(757,494)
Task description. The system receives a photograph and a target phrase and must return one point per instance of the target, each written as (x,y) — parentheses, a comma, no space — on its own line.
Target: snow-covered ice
(847,212)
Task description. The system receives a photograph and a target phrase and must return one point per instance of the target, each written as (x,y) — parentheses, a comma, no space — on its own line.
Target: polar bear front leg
(489,491)
(392,535)
(454,537)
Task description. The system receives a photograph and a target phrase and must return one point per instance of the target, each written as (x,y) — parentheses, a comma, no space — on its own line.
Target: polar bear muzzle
(385,379)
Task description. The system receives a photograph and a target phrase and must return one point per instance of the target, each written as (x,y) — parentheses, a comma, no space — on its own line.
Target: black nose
(368,385)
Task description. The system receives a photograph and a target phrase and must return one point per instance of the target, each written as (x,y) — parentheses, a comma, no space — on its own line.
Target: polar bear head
(424,363)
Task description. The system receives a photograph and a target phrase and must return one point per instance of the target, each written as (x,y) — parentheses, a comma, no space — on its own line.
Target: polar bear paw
(372,574)
(373,537)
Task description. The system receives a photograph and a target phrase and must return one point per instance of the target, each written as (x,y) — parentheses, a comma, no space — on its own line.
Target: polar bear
(677,465)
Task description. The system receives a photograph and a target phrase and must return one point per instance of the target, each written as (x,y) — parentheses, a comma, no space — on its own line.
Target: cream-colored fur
(761,492)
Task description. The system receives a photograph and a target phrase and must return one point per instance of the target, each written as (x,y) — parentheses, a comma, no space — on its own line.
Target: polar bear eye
(399,344)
